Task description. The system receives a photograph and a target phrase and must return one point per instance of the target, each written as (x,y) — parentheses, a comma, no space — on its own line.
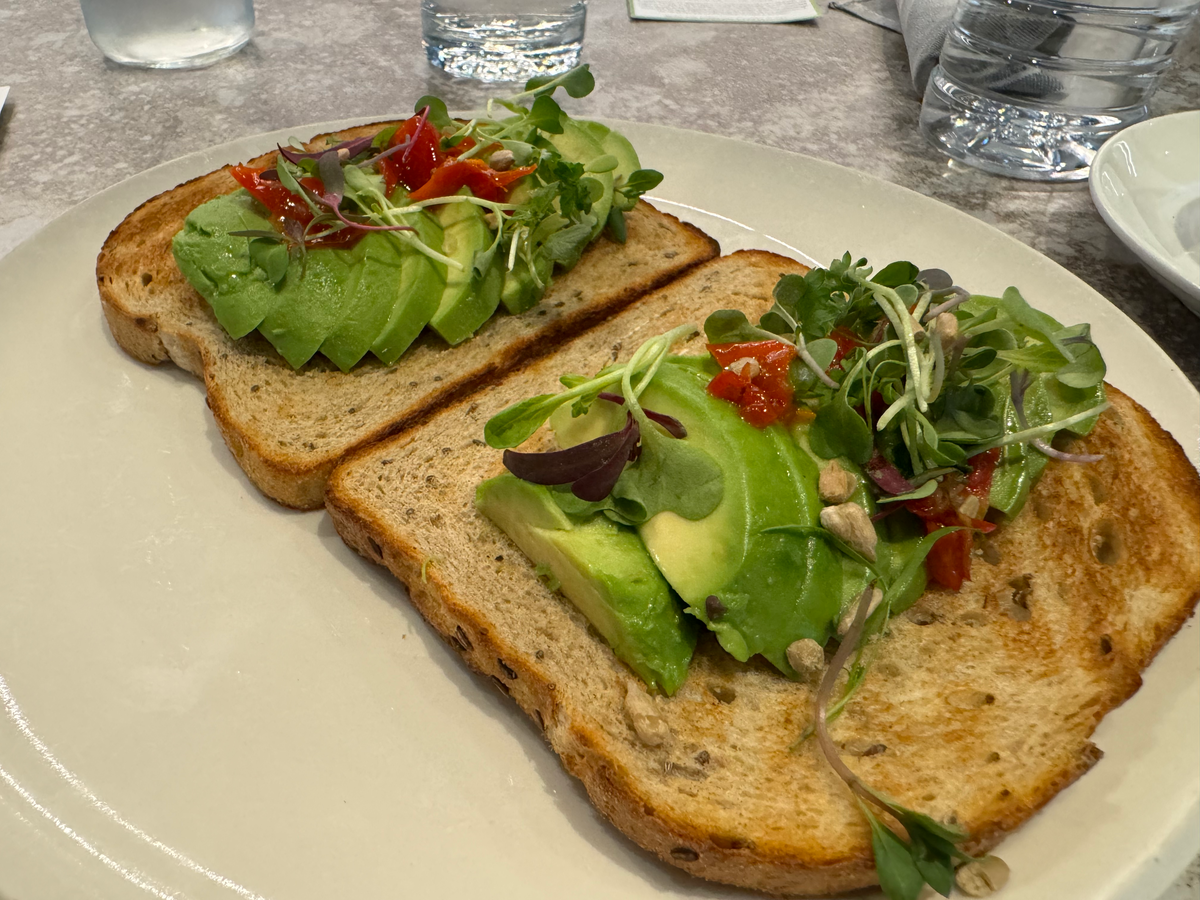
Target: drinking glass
(503,40)
(168,34)
(1032,88)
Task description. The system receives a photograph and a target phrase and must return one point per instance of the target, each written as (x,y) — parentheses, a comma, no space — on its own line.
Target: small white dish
(1145,182)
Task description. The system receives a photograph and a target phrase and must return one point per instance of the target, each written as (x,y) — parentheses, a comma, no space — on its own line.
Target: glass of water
(1032,88)
(503,40)
(168,34)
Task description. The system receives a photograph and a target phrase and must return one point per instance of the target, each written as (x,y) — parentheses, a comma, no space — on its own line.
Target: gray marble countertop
(837,89)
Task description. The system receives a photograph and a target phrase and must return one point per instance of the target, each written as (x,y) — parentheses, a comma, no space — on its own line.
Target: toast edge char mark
(155,316)
(1092,623)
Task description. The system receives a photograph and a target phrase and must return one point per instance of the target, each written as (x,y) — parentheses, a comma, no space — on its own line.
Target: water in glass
(503,40)
(168,34)
(1031,88)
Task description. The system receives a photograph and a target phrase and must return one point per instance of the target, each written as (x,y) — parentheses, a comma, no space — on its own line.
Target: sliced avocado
(421,284)
(627,165)
(218,265)
(469,299)
(320,290)
(604,569)
(575,144)
(416,281)
(772,589)
(520,291)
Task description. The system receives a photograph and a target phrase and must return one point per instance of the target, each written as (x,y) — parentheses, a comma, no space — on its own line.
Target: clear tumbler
(1032,88)
(503,40)
(168,34)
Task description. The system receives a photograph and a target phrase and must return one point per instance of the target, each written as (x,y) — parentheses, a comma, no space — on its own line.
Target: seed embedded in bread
(647,719)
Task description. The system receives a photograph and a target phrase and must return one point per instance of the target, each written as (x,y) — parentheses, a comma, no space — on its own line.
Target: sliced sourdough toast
(978,705)
(289,428)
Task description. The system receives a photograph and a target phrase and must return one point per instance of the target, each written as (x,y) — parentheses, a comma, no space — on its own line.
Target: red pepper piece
(847,343)
(949,562)
(473,174)
(763,398)
(412,167)
(274,196)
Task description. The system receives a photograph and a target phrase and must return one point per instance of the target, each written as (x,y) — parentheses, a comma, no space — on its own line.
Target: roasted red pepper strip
(274,196)
(412,167)
(763,398)
(949,562)
(847,343)
(474,174)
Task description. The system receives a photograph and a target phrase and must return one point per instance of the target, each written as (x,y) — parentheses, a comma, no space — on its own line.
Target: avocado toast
(1000,684)
(288,416)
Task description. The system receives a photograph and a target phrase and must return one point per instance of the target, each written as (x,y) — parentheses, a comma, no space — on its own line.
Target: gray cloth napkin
(923,23)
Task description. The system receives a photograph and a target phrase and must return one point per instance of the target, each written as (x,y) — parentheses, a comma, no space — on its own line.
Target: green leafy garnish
(517,423)
(930,850)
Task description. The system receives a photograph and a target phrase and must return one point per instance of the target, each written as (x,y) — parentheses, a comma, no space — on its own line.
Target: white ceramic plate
(1145,182)
(207,696)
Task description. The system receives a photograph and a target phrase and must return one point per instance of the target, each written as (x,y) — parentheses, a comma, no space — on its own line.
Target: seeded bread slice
(289,428)
(978,705)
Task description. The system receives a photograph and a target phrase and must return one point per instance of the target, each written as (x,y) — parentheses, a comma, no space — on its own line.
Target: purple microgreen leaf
(565,466)
(886,475)
(343,151)
(670,424)
(935,279)
(330,169)
(597,485)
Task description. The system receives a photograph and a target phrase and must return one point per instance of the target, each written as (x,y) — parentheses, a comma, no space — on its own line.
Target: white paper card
(762,11)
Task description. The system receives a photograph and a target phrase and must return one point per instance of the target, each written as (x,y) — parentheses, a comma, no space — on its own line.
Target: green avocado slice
(604,570)
(520,292)
(408,281)
(319,291)
(468,299)
(218,265)
(422,284)
(772,589)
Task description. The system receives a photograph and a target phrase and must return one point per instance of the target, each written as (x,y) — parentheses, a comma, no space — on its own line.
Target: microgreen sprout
(920,367)
(929,850)
(517,423)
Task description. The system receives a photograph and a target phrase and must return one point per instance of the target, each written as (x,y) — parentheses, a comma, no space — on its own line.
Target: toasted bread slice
(289,428)
(977,705)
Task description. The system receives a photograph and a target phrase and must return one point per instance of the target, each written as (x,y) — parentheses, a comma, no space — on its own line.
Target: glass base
(1005,137)
(189,62)
(491,45)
